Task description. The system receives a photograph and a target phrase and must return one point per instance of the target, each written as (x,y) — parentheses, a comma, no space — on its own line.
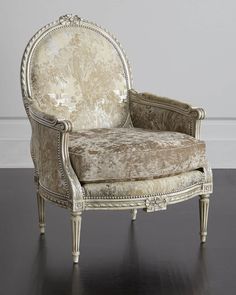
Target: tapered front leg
(41,213)
(134,214)
(203,210)
(76,226)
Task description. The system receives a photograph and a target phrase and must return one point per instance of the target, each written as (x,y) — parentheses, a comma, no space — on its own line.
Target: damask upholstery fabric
(120,154)
(160,113)
(44,150)
(141,188)
(77,74)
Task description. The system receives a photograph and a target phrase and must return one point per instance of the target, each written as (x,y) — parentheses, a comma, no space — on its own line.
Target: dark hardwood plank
(160,253)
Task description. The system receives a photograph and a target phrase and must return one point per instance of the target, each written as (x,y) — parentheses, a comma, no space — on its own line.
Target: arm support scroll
(160,113)
(49,148)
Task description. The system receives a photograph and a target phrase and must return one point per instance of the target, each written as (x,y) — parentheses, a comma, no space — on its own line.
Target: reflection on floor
(160,253)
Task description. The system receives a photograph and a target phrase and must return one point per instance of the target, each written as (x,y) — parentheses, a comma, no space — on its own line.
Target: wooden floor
(158,254)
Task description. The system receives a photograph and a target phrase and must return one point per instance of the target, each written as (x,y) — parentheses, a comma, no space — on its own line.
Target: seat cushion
(121,154)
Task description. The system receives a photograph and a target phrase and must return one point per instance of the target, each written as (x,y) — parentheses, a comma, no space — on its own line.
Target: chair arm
(57,180)
(49,120)
(160,113)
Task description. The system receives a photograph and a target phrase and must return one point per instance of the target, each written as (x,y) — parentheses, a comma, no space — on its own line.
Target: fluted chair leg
(134,214)
(76,226)
(203,210)
(41,213)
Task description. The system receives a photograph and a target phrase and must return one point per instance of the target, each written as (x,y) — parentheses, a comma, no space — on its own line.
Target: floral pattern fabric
(120,154)
(77,74)
(140,188)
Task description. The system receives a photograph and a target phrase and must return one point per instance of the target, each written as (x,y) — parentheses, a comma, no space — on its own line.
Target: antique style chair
(96,143)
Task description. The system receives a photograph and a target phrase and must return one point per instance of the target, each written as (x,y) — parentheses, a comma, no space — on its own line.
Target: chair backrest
(75,70)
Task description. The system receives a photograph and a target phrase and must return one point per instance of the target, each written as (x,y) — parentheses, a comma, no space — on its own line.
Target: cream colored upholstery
(121,154)
(140,188)
(76,74)
(97,143)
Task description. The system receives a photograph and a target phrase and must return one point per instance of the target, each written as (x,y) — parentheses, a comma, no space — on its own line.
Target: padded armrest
(160,113)
(49,149)
(49,120)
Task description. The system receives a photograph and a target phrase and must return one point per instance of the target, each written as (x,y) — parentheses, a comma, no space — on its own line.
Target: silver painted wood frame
(75,199)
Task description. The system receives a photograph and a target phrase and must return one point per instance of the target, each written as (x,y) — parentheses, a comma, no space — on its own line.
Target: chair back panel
(75,70)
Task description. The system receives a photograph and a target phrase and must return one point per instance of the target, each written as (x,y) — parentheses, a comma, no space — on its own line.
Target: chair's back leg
(76,226)
(134,214)
(203,210)
(41,213)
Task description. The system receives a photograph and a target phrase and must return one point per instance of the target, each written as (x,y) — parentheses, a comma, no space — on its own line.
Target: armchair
(96,143)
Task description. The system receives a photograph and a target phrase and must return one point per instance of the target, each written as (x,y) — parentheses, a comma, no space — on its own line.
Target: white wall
(182,49)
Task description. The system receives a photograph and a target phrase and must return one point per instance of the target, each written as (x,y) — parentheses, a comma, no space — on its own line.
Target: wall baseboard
(219,134)
(15,143)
